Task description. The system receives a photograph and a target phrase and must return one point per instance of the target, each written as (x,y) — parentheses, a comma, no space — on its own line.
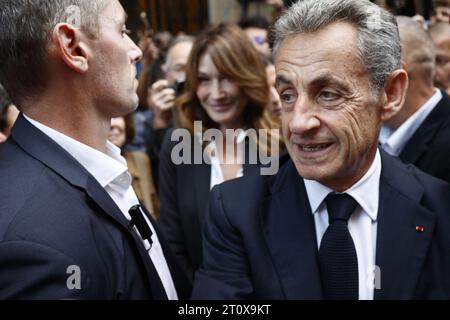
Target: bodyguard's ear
(394,94)
(66,43)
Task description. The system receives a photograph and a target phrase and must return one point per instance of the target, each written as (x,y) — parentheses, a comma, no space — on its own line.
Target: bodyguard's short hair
(378,36)
(26,27)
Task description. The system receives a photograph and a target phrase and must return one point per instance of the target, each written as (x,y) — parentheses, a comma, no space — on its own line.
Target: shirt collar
(394,140)
(104,167)
(365,191)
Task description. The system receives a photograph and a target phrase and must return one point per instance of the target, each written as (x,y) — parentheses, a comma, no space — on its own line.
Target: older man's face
(330,117)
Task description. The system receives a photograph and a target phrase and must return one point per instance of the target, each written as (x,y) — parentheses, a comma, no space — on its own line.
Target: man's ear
(66,44)
(394,94)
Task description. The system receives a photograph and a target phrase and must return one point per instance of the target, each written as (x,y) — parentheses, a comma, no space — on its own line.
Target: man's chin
(126,109)
(133,103)
(313,171)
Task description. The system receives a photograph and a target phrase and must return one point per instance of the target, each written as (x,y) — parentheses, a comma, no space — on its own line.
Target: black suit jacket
(53,215)
(260,240)
(184,191)
(429,147)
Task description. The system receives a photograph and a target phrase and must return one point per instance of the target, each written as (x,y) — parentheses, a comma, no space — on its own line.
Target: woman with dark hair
(226,88)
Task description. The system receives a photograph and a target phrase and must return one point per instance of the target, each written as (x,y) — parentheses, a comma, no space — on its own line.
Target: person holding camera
(162,94)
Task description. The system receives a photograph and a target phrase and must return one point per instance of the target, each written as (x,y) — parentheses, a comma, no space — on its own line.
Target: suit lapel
(41,147)
(202,181)
(421,139)
(102,199)
(401,249)
(290,235)
(180,280)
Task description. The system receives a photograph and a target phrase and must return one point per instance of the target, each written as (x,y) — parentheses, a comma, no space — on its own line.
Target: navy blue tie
(337,254)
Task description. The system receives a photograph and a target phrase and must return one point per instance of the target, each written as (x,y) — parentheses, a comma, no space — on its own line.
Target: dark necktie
(337,254)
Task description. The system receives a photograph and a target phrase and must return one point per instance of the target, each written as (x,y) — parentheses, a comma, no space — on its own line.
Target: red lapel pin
(420,229)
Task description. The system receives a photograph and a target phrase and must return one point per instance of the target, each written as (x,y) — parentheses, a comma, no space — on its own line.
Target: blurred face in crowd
(442,78)
(220,97)
(177,58)
(259,39)
(117,134)
(275,102)
(442,14)
(330,118)
(112,64)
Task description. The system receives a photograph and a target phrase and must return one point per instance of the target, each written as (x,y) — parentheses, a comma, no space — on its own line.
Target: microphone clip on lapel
(138,220)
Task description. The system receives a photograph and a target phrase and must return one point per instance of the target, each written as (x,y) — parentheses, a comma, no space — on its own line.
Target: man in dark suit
(340,220)
(419,133)
(66,231)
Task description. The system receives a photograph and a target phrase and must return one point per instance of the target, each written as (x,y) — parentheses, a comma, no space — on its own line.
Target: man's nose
(304,117)
(136,53)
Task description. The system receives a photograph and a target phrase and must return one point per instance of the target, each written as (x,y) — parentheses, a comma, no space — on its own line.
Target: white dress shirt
(111,172)
(362,224)
(393,141)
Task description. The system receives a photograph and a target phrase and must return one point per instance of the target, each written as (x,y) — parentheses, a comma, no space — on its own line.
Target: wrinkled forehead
(442,44)
(320,58)
(336,41)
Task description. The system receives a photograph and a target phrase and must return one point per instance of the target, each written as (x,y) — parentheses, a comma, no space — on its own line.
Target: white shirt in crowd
(362,224)
(393,141)
(111,172)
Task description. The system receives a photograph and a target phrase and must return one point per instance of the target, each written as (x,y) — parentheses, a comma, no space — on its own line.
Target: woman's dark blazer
(184,192)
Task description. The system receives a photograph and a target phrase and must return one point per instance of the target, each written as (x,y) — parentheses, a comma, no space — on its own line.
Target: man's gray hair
(378,36)
(26,28)
(417,49)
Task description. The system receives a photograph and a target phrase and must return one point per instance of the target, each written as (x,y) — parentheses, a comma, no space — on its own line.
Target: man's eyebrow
(325,80)
(282,80)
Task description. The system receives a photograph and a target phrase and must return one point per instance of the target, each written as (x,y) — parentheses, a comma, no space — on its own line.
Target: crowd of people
(136,171)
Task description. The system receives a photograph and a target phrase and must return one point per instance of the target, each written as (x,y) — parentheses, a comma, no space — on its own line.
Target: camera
(177,87)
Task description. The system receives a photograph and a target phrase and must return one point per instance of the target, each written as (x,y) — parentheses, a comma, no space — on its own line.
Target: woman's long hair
(235,57)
